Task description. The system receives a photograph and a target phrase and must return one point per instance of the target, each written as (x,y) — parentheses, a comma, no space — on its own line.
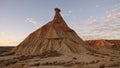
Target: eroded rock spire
(53,36)
(57,16)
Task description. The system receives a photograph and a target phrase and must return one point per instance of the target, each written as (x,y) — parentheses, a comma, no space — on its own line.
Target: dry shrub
(18,65)
(36,64)
(115,64)
(58,63)
(69,64)
(7,53)
(53,63)
(77,62)
(86,63)
(8,62)
(96,55)
(92,62)
(91,53)
(74,58)
(46,63)
(102,56)
(21,58)
(50,54)
(111,59)
(97,61)
(102,66)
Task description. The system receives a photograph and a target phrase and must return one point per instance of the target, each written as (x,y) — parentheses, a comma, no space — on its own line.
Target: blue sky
(91,19)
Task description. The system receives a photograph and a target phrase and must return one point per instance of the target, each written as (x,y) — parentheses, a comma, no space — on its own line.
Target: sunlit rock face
(104,43)
(53,36)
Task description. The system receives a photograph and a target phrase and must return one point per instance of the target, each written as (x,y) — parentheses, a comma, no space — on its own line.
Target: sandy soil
(85,60)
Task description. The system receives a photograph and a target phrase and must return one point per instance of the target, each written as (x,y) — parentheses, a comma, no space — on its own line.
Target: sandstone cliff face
(104,43)
(54,36)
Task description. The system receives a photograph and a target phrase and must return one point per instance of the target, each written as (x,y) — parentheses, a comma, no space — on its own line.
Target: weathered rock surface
(54,36)
(104,43)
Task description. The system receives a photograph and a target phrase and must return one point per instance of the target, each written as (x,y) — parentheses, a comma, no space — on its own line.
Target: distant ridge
(102,43)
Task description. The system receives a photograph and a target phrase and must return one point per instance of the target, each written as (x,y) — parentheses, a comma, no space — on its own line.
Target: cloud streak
(92,22)
(31,20)
(106,27)
(68,13)
(111,16)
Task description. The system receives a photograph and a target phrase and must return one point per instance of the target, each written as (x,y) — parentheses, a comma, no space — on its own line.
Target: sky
(91,19)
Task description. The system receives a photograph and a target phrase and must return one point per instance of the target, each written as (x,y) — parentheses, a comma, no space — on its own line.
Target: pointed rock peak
(58,20)
(57,10)
(57,16)
(54,36)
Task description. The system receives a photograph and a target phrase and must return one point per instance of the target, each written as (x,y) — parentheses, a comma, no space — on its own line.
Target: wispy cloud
(93,22)
(68,13)
(97,6)
(106,27)
(110,17)
(31,20)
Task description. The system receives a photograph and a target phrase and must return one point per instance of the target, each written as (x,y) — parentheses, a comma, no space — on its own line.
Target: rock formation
(104,43)
(53,36)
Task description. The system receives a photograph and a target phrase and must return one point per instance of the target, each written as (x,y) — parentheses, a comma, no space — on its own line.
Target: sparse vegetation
(21,58)
(50,54)
(69,64)
(92,62)
(74,58)
(115,64)
(111,59)
(102,66)
(36,64)
(4,49)
(8,62)
(53,63)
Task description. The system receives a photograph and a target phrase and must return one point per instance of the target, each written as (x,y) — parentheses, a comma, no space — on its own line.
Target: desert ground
(107,58)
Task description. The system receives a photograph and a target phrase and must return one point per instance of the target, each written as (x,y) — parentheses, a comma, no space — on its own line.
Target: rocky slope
(112,44)
(56,35)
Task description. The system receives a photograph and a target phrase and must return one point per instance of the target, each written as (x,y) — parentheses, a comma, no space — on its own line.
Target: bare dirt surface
(84,60)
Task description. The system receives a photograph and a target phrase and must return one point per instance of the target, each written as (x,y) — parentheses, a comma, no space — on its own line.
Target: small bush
(97,61)
(74,58)
(92,62)
(50,54)
(69,64)
(102,66)
(37,64)
(115,65)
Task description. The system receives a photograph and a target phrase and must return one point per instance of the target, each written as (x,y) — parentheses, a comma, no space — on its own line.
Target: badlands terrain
(109,57)
(56,45)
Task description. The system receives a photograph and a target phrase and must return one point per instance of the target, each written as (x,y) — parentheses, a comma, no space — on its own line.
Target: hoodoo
(53,36)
